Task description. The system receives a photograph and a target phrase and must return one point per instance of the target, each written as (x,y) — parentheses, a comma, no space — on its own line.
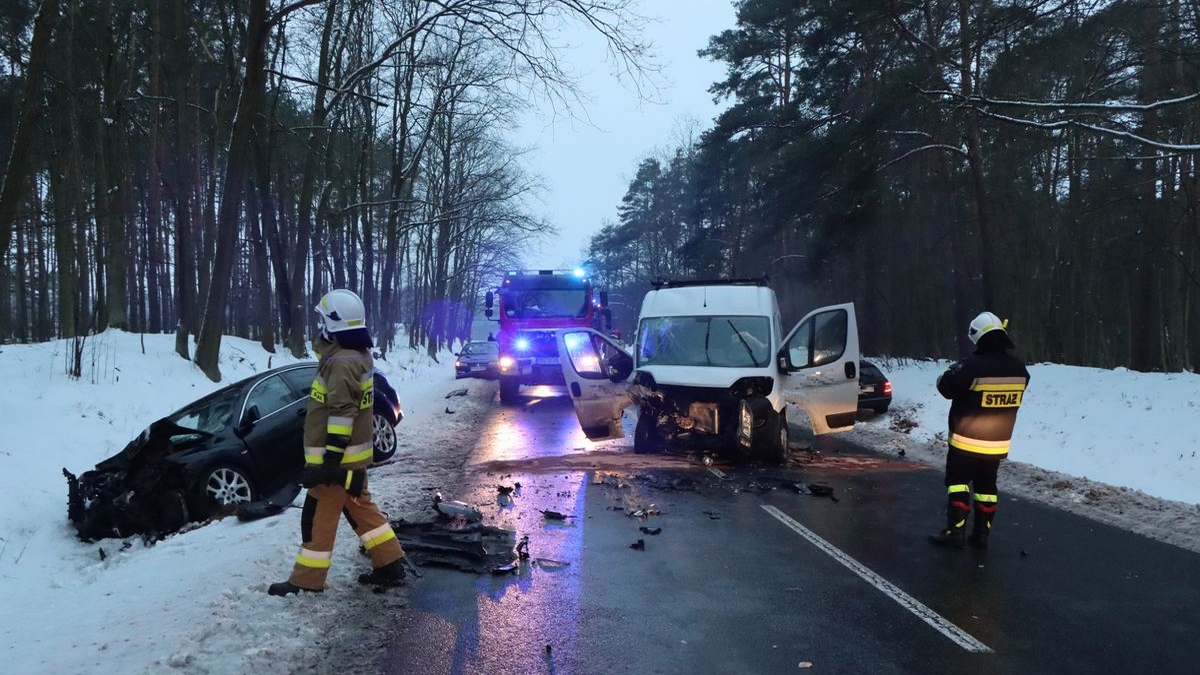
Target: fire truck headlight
(522,344)
(506,363)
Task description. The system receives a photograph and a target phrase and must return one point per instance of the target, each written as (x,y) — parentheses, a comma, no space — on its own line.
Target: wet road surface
(750,576)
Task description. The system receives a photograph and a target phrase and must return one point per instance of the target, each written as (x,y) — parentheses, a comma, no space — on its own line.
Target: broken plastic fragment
(550,563)
(652,532)
(554,515)
(639,545)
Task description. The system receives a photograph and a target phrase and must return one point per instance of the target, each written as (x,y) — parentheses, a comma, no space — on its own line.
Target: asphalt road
(750,576)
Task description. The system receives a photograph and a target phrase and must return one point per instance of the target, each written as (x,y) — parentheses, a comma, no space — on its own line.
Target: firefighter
(337,451)
(986,390)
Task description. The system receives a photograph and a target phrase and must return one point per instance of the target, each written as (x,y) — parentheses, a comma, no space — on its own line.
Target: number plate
(546,360)
(477,367)
(866,390)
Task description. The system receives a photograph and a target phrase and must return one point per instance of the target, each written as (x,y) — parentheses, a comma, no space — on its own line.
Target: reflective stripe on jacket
(986,390)
(340,407)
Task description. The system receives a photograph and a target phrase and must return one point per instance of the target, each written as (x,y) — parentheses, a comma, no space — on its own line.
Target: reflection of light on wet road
(544,424)
(504,623)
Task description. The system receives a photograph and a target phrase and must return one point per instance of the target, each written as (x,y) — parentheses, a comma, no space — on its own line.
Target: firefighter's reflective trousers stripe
(323,507)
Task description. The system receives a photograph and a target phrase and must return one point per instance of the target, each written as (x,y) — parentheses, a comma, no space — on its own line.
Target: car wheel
(383,439)
(646,438)
(510,387)
(774,436)
(224,484)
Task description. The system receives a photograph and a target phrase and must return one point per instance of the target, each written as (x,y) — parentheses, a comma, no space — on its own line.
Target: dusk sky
(587,158)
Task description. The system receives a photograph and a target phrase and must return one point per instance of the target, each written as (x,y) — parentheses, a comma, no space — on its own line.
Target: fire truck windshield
(535,303)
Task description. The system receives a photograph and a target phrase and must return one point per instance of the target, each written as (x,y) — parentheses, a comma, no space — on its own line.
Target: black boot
(286,588)
(954,534)
(982,527)
(391,574)
(954,537)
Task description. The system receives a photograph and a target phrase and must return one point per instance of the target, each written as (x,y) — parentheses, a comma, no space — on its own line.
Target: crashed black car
(239,444)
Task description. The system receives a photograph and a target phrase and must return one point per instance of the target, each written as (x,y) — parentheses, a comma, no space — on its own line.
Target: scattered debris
(457,392)
(270,506)
(555,515)
(523,548)
(470,547)
(449,411)
(806,664)
(456,509)
(639,545)
(505,489)
(711,515)
(645,512)
(507,568)
(551,564)
(651,532)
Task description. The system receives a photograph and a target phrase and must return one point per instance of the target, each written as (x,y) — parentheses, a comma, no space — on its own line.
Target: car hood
(702,376)
(477,358)
(163,438)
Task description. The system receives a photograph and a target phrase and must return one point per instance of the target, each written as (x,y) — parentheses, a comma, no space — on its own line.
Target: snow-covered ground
(1113,445)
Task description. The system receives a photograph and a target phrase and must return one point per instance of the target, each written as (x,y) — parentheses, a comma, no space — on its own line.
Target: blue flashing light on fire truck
(530,306)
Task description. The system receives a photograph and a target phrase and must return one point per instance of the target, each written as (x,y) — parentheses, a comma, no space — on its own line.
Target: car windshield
(481,348)
(718,341)
(208,415)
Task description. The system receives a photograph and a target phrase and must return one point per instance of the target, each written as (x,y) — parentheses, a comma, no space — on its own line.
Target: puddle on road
(594,460)
(851,463)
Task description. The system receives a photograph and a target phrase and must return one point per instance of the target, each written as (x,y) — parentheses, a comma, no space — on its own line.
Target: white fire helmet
(340,310)
(985,323)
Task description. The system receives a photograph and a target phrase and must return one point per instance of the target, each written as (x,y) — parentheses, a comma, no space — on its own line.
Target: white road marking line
(937,621)
(716,472)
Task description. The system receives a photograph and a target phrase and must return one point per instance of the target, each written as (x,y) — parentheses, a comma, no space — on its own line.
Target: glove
(313,475)
(356,483)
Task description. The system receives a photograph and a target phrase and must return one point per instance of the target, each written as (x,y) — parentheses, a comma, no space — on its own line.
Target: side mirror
(248,420)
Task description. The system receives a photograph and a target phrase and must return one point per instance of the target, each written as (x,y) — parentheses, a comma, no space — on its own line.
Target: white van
(710,368)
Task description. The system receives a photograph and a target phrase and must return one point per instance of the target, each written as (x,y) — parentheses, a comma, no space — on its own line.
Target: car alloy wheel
(227,485)
(383,439)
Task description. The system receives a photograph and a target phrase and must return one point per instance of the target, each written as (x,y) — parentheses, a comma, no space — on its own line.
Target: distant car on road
(874,388)
(238,444)
(478,359)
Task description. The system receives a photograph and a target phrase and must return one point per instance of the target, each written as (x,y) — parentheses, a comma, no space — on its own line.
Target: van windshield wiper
(741,339)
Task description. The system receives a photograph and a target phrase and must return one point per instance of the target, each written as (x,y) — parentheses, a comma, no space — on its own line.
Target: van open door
(596,370)
(819,364)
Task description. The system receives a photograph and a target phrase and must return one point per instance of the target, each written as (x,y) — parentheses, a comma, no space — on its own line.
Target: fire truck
(530,305)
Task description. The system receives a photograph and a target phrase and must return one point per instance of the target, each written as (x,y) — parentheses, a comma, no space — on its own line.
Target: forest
(211,167)
(930,159)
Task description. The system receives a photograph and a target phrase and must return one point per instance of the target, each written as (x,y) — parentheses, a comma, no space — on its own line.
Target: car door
(275,435)
(596,369)
(818,365)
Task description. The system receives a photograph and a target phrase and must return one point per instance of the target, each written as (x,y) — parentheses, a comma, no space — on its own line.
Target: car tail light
(887,387)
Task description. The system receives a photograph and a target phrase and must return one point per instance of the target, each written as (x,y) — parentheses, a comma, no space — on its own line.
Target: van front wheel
(774,435)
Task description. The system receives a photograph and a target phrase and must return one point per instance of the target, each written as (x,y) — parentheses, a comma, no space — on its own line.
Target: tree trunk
(17,169)
(237,169)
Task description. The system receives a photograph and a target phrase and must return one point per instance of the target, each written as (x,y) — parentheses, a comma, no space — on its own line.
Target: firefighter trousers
(323,507)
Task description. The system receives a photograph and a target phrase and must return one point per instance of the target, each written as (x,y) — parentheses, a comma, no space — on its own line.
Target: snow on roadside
(1115,446)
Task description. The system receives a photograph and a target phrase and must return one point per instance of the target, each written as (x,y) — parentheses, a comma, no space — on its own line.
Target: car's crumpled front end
(137,491)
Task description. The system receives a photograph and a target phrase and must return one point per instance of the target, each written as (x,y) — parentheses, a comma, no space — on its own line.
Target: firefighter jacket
(340,416)
(986,389)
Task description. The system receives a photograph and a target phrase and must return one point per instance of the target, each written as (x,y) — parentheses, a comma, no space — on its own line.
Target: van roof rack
(660,283)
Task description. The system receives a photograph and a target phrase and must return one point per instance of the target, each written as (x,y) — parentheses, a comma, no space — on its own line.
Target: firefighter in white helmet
(337,452)
(986,390)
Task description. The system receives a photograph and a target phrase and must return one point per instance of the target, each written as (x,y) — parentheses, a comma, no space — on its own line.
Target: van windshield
(717,341)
